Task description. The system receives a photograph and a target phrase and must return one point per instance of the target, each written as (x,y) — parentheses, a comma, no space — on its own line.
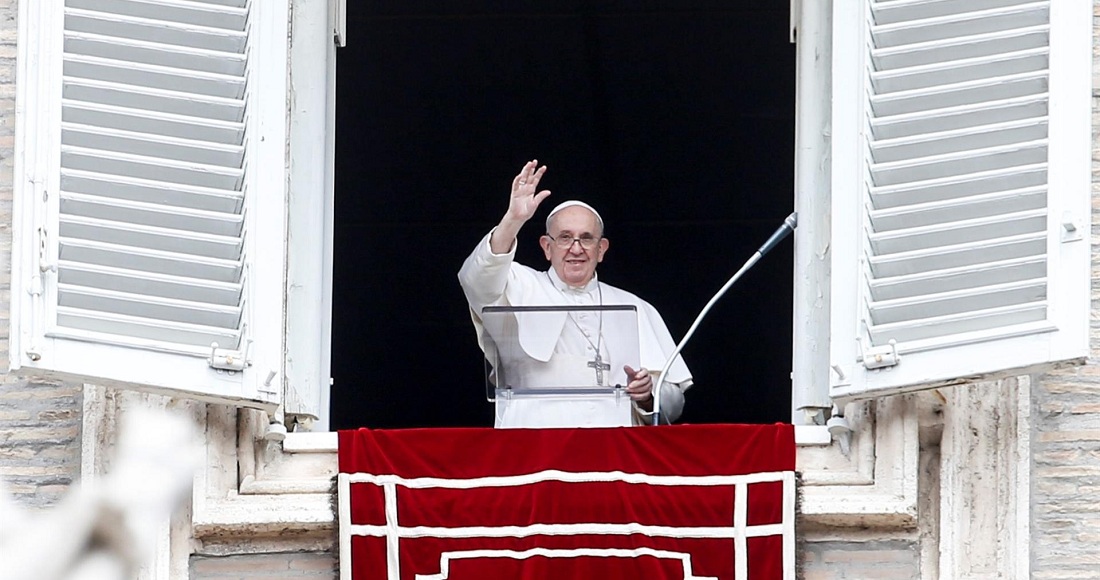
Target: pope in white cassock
(574,245)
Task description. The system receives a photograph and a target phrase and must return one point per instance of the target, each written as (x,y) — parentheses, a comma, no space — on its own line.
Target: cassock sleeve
(484,275)
(672,403)
(657,345)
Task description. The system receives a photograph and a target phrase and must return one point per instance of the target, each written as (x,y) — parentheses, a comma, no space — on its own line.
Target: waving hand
(522,204)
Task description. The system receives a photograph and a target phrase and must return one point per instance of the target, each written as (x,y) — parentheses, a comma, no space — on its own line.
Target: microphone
(789,224)
(784,230)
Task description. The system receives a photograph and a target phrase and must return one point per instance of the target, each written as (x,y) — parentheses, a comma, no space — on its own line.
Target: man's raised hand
(524,200)
(521,206)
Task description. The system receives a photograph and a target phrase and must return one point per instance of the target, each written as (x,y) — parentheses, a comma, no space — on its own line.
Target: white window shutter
(960,188)
(150,196)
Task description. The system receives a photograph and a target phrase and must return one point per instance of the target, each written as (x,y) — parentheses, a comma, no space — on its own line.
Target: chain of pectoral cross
(597,362)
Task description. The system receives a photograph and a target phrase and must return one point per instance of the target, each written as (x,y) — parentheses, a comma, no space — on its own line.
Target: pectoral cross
(600,367)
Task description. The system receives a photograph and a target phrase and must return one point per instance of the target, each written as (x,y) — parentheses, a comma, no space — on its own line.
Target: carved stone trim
(876,484)
(246,487)
(984,523)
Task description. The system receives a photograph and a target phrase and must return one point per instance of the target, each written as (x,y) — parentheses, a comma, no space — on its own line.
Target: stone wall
(39,439)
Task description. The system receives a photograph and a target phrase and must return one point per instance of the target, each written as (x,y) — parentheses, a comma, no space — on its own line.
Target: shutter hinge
(881,356)
(229,360)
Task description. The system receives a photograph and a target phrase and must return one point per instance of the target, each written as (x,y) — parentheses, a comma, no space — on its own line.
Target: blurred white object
(102,530)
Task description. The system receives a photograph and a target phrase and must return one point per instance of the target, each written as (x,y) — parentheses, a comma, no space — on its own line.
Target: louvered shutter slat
(1002,157)
(953,233)
(152,168)
(152,122)
(167,194)
(959,24)
(113,232)
(958,94)
(962,139)
(108,326)
(955,211)
(971,184)
(950,279)
(935,304)
(980,322)
(958,118)
(149,283)
(150,307)
(963,255)
(220,224)
(958,72)
(908,10)
(969,207)
(969,47)
(164,55)
(83,251)
(146,145)
(143,29)
(155,100)
(181,11)
(151,76)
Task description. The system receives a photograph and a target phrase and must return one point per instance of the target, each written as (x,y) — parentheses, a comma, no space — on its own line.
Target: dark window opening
(674,119)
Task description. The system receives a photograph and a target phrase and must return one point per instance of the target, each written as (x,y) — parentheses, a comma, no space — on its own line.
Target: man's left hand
(640,387)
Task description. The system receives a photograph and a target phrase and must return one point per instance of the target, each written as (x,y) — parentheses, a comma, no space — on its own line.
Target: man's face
(575,265)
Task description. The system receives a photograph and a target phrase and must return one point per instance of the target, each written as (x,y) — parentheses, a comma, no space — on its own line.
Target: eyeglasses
(565,241)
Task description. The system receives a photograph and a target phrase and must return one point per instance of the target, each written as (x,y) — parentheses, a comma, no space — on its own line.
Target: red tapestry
(676,502)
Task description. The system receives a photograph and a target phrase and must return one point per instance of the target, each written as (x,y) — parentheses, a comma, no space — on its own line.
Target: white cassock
(557,351)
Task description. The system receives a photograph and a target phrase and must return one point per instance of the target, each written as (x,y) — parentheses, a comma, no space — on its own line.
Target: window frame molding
(312,149)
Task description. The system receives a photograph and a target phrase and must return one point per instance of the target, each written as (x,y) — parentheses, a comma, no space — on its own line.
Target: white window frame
(310,223)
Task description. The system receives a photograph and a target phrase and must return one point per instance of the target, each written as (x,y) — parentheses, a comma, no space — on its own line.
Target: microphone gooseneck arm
(789,224)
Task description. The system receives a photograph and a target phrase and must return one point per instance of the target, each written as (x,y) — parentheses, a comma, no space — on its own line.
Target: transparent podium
(560,366)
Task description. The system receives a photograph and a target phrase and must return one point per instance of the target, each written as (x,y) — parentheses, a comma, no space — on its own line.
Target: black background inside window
(675,119)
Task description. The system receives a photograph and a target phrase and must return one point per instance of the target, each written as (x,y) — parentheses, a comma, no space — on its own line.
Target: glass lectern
(560,366)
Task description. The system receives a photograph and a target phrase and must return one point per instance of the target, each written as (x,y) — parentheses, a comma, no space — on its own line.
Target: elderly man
(574,245)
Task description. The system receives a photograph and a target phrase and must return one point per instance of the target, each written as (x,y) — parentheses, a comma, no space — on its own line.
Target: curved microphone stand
(789,224)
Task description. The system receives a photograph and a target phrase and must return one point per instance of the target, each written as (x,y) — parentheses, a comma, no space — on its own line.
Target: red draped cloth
(682,501)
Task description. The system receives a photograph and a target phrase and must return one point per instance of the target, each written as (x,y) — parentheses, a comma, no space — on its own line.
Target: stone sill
(804,436)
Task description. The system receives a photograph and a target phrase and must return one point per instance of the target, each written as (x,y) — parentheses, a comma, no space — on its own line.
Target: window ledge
(804,435)
(812,435)
(310,442)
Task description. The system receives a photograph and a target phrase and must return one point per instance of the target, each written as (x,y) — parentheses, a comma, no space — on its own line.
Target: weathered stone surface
(834,560)
(309,565)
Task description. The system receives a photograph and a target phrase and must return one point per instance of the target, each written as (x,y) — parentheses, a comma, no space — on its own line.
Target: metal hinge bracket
(882,356)
(228,360)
